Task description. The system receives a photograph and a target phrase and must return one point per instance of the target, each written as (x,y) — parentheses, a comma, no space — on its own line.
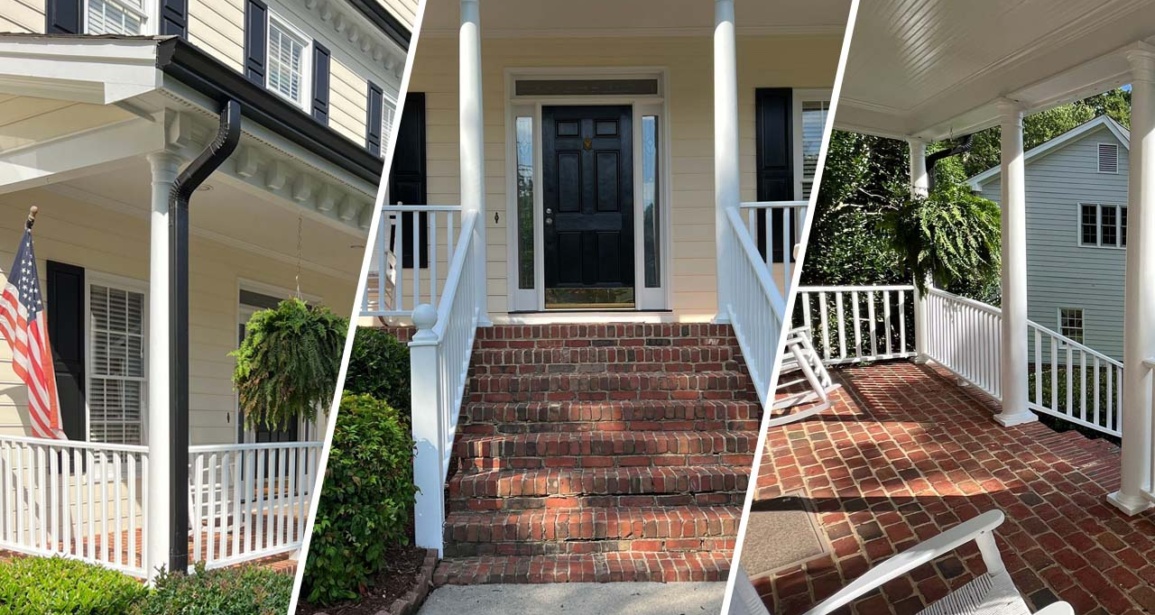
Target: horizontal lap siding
(1060,272)
(404,10)
(104,241)
(217,27)
(348,98)
(22,16)
(796,62)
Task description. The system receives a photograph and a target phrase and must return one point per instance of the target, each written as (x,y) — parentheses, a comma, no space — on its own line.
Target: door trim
(533,300)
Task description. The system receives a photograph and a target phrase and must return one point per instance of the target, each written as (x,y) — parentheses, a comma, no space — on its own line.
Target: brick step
(611,387)
(585,568)
(601,530)
(610,356)
(622,334)
(557,488)
(593,449)
(536,417)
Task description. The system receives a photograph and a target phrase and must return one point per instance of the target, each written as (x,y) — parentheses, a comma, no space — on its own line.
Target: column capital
(1141,57)
(165,165)
(1009,110)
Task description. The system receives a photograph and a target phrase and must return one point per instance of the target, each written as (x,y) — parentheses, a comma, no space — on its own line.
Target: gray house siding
(1060,272)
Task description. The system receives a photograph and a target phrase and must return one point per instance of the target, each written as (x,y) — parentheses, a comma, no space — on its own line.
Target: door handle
(549,220)
(548,210)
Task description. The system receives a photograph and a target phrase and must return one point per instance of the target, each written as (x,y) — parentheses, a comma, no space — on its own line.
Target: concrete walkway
(577,598)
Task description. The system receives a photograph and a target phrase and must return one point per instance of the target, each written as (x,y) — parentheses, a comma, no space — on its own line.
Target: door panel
(775,160)
(587,155)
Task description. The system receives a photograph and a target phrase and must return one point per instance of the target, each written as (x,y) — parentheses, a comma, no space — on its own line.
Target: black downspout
(189,180)
(932,159)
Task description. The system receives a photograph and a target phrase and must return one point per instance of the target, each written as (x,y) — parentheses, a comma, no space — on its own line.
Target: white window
(288,61)
(124,17)
(1071,323)
(1108,158)
(811,111)
(1102,225)
(388,112)
(116,381)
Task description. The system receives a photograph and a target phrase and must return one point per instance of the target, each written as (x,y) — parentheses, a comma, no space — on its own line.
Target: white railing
(777,244)
(77,499)
(757,309)
(857,324)
(965,336)
(249,501)
(428,233)
(439,365)
(1074,382)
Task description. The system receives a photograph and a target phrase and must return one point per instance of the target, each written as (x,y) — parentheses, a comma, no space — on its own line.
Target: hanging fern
(287,364)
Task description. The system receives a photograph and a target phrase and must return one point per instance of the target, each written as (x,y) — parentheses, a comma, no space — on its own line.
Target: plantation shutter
(374,107)
(65,312)
(64,17)
(174,18)
(256,40)
(775,164)
(320,83)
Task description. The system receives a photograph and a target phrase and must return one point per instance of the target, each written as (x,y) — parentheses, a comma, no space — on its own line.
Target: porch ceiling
(593,18)
(936,69)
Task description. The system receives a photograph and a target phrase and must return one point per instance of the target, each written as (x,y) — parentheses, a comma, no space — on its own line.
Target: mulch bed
(401,578)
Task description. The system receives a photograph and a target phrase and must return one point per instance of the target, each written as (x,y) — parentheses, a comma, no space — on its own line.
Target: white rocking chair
(801,365)
(992,593)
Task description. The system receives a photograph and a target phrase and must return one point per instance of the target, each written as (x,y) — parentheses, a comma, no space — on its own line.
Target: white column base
(1129,506)
(921,359)
(1010,420)
(721,319)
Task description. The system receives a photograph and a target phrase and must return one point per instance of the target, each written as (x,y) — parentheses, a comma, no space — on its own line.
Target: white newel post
(919,186)
(727,187)
(428,431)
(1013,370)
(165,167)
(473,140)
(1139,298)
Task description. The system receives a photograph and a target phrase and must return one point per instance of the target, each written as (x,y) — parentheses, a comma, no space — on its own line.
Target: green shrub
(38,585)
(246,590)
(379,366)
(365,505)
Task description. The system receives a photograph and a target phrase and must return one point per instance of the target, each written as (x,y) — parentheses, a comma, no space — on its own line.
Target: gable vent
(1108,158)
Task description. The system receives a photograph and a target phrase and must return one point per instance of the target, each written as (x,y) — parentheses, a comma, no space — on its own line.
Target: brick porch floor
(905,453)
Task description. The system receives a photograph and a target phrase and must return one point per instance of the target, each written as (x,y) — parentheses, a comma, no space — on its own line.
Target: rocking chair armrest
(912,558)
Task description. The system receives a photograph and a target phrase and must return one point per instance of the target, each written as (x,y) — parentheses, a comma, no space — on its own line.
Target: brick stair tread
(609,355)
(562,482)
(602,386)
(595,443)
(586,568)
(645,415)
(612,331)
(628,524)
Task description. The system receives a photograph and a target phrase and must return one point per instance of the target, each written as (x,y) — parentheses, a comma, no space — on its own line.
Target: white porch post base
(727,181)
(428,433)
(164,167)
(1129,506)
(1010,420)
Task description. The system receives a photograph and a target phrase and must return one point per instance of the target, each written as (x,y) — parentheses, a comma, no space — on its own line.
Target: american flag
(24,325)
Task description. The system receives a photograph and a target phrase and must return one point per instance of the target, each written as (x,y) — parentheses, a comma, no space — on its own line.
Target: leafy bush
(379,366)
(366,501)
(38,585)
(247,590)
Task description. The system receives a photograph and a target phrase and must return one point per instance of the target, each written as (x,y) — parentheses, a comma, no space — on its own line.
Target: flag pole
(32,211)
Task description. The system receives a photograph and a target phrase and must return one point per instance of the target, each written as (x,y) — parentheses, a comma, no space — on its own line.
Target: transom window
(288,55)
(1102,225)
(1071,323)
(124,17)
(116,385)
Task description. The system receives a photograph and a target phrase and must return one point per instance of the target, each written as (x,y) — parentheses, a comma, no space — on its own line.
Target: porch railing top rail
(1073,344)
(746,243)
(453,280)
(256,446)
(978,305)
(853,287)
(418,208)
(773,204)
(78,444)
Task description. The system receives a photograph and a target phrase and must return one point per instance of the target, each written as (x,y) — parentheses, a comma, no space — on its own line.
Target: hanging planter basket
(287,364)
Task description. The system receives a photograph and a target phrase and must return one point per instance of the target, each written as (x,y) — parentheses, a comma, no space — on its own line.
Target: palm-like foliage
(287,364)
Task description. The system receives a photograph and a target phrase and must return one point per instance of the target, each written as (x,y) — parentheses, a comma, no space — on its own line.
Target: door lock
(548,210)
(549,220)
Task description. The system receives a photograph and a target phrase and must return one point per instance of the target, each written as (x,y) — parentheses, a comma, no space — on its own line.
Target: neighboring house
(103,103)
(1076,232)
(614,194)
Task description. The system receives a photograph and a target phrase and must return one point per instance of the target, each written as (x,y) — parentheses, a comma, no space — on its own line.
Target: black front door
(588,170)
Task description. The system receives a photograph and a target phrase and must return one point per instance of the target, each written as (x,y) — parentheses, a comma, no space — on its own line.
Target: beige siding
(348,99)
(796,62)
(22,16)
(404,10)
(218,28)
(109,242)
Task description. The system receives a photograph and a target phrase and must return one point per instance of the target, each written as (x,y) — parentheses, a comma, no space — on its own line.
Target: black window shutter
(374,113)
(65,313)
(775,164)
(407,175)
(320,83)
(256,40)
(174,18)
(65,17)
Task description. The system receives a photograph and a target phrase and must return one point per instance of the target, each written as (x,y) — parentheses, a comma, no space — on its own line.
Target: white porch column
(472,139)
(1013,370)
(1139,298)
(165,167)
(919,186)
(727,187)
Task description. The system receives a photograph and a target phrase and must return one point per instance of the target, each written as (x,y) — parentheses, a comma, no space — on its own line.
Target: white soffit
(97,70)
(936,69)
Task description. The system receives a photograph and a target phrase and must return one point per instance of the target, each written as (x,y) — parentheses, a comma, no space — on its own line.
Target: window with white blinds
(388,110)
(116,384)
(124,17)
(287,58)
(814,114)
